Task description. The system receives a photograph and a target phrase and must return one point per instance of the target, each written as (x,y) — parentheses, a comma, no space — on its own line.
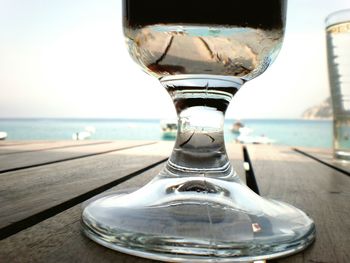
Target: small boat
(245,137)
(3,135)
(168,129)
(249,139)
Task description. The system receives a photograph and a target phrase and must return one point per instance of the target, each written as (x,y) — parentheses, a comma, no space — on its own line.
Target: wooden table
(43,185)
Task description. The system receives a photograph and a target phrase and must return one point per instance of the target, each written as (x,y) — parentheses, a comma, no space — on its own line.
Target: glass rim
(337,17)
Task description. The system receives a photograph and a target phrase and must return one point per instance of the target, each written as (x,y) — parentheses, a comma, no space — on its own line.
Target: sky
(67,59)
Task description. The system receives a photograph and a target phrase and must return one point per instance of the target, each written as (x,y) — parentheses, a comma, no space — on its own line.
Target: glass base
(197,219)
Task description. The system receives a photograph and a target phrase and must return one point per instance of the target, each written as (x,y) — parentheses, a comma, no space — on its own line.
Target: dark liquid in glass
(261,14)
(222,37)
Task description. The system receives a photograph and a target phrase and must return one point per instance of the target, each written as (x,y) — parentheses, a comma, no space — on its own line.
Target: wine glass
(197,209)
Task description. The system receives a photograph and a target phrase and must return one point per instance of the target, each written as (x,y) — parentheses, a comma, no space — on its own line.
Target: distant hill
(320,111)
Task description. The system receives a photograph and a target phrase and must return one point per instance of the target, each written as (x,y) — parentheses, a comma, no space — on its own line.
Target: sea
(307,133)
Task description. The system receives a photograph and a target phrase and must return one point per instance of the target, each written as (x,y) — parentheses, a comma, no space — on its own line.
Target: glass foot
(197,220)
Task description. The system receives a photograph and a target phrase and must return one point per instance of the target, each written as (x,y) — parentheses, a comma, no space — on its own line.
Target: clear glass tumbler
(338,47)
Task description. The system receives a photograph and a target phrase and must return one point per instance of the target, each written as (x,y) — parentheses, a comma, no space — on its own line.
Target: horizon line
(139,119)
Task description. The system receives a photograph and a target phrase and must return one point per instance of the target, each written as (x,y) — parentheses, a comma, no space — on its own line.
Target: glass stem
(201,103)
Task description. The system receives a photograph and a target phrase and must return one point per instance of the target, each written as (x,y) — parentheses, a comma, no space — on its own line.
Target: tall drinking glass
(338,47)
(197,209)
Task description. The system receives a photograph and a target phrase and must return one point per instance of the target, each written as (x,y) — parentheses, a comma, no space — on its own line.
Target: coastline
(291,132)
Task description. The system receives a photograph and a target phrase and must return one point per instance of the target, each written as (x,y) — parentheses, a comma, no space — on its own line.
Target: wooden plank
(31,193)
(19,142)
(23,160)
(27,146)
(320,191)
(325,156)
(58,239)
(4,143)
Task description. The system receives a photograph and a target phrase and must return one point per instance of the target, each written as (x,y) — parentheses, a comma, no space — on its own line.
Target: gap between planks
(43,242)
(77,156)
(32,219)
(345,169)
(30,191)
(39,149)
(54,210)
(60,186)
(320,191)
(58,239)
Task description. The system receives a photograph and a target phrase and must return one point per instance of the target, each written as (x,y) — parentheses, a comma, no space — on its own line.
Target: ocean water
(284,132)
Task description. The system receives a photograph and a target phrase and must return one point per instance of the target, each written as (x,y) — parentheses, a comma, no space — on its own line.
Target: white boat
(246,137)
(168,129)
(3,135)
(249,139)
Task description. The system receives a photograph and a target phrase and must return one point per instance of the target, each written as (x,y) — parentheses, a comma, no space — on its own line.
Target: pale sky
(67,58)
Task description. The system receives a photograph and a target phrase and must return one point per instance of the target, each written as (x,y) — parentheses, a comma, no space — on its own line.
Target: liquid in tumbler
(191,37)
(338,40)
